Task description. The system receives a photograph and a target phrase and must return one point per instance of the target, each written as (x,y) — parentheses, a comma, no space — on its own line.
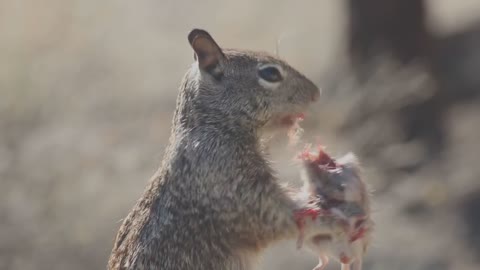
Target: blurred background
(88,88)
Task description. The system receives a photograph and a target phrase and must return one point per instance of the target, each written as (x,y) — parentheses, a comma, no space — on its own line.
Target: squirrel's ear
(208,54)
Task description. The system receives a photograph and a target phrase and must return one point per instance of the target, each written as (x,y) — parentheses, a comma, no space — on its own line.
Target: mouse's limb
(354,265)
(357,264)
(322,262)
(345,266)
(301,236)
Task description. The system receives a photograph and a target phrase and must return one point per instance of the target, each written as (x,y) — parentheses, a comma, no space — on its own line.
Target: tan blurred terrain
(87,92)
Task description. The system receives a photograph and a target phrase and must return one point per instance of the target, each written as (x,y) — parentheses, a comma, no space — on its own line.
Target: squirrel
(216,203)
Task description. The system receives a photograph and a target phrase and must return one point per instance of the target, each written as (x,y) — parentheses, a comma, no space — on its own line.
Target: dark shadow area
(471,214)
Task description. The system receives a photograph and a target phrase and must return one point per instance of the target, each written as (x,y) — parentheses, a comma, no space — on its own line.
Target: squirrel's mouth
(292,123)
(291,119)
(289,122)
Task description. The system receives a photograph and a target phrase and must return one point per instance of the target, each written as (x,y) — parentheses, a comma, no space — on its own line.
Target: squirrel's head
(256,88)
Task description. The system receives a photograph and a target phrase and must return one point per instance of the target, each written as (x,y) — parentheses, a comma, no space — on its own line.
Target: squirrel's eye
(270,74)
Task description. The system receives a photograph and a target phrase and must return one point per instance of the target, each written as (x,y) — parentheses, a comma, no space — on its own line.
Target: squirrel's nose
(316,95)
(311,90)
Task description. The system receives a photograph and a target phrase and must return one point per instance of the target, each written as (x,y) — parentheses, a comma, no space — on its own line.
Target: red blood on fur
(302,214)
(305,155)
(358,234)
(300,219)
(313,213)
(344,259)
(300,116)
(324,159)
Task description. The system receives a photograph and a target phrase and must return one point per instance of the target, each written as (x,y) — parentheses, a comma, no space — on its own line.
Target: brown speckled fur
(215,203)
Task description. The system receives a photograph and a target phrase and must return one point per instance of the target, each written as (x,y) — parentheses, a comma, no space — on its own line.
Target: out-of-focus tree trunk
(395,27)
